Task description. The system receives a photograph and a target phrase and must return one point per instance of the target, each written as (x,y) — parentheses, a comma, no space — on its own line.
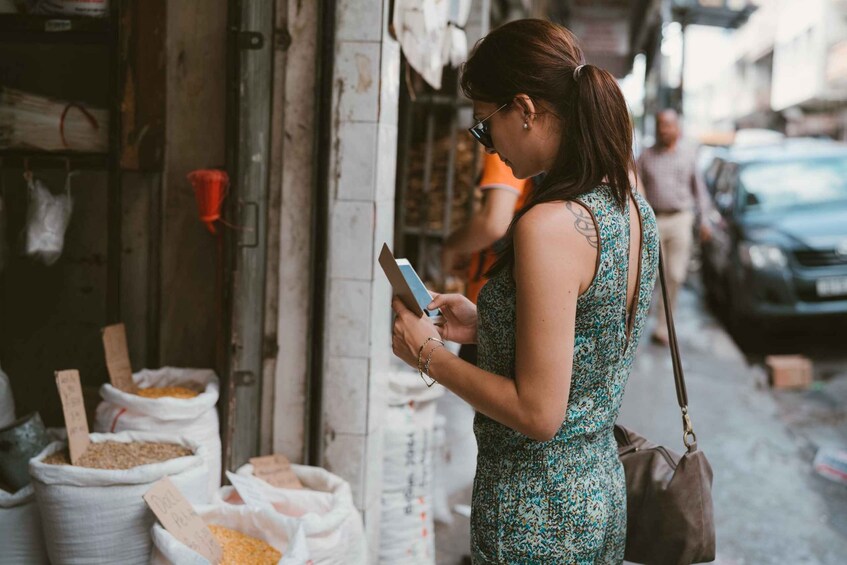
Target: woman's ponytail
(602,137)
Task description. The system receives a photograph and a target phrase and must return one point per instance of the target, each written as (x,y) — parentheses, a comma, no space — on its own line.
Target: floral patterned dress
(563,501)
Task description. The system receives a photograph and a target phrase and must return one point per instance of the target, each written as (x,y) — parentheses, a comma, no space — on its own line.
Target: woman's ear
(527,107)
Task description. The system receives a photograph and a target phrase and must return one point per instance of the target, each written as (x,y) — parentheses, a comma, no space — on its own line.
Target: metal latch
(250,40)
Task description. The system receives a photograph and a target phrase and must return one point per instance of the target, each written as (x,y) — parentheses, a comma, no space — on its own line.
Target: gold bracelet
(429,360)
(420,359)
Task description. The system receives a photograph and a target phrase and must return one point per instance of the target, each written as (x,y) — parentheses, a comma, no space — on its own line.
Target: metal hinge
(250,40)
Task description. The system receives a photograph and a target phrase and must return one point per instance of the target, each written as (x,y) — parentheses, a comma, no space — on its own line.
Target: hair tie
(576,72)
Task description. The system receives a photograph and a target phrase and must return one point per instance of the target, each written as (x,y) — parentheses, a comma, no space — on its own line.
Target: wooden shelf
(17,158)
(23,28)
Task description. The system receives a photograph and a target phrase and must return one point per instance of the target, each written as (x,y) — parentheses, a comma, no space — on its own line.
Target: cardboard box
(789,371)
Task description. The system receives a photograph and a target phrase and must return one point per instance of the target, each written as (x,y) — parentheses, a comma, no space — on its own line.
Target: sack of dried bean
(20,528)
(247,535)
(331,522)
(93,512)
(169,400)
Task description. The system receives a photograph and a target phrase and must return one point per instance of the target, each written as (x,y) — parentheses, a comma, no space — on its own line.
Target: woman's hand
(410,332)
(459,315)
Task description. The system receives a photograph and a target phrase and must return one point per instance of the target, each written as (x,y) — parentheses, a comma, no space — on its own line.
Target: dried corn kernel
(241,549)
(172,391)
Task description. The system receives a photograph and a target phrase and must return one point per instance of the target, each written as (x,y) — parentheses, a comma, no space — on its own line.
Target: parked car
(778,251)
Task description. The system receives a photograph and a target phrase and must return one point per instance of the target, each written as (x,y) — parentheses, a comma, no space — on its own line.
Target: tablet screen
(422,295)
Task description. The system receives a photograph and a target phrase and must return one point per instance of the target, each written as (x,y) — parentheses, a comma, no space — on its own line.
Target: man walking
(677,194)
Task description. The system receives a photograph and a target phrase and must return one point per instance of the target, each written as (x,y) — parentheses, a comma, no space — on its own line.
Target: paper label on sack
(73,407)
(117,358)
(178,517)
(276,471)
(248,491)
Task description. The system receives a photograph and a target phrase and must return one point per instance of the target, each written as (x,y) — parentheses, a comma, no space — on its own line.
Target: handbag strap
(688,436)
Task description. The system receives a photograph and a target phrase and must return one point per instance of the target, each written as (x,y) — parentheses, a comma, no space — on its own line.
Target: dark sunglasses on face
(480,130)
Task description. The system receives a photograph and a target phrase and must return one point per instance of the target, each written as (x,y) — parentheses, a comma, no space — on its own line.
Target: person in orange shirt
(472,249)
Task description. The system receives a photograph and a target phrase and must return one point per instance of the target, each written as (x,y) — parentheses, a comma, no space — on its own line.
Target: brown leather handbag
(670,520)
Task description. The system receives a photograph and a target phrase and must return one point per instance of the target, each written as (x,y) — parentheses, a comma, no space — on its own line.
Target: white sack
(20,529)
(193,418)
(406,527)
(98,516)
(261,523)
(331,522)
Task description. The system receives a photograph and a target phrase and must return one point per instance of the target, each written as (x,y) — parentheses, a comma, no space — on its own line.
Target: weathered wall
(194,139)
(288,293)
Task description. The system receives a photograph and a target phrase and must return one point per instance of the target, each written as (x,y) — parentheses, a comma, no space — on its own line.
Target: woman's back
(570,486)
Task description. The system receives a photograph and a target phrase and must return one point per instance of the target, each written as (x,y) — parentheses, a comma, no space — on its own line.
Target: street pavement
(770,506)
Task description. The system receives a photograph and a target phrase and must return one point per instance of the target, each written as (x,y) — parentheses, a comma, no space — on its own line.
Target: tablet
(406,283)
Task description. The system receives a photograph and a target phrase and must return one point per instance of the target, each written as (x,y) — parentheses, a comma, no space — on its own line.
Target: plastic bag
(47,219)
(195,418)
(92,516)
(4,247)
(7,401)
(262,523)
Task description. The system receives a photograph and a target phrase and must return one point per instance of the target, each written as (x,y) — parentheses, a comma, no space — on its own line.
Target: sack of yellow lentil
(331,521)
(253,536)
(95,514)
(169,400)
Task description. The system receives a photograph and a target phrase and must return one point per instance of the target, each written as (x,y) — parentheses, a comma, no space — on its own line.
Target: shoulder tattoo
(584,223)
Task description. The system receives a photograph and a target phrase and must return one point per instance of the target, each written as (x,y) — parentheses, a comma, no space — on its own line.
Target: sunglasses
(480,130)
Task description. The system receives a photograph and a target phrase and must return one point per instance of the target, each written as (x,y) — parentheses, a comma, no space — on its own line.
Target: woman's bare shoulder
(560,221)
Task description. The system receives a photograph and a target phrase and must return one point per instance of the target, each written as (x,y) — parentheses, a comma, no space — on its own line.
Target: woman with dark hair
(558,322)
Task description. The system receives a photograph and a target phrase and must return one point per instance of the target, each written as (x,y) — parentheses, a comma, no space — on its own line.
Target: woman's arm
(554,262)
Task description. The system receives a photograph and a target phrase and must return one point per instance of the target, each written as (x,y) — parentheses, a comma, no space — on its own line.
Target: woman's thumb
(437,301)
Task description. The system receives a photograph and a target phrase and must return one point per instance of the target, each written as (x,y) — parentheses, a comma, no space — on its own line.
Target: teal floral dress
(563,501)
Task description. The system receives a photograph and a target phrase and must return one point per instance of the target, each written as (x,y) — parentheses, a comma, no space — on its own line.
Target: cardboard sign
(117,358)
(70,393)
(178,517)
(276,471)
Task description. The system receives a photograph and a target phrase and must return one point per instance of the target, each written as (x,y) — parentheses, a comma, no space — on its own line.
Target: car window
(780,184)
(725,187)
(710,175)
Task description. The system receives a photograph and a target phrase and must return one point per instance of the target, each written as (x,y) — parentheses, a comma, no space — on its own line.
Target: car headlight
(762,256)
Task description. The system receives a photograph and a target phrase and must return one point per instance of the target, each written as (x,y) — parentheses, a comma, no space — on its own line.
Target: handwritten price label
(276,471)
(70,393)
(178,517)
(117,358)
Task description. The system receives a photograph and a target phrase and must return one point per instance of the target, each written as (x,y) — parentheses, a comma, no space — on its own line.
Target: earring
(526,125)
